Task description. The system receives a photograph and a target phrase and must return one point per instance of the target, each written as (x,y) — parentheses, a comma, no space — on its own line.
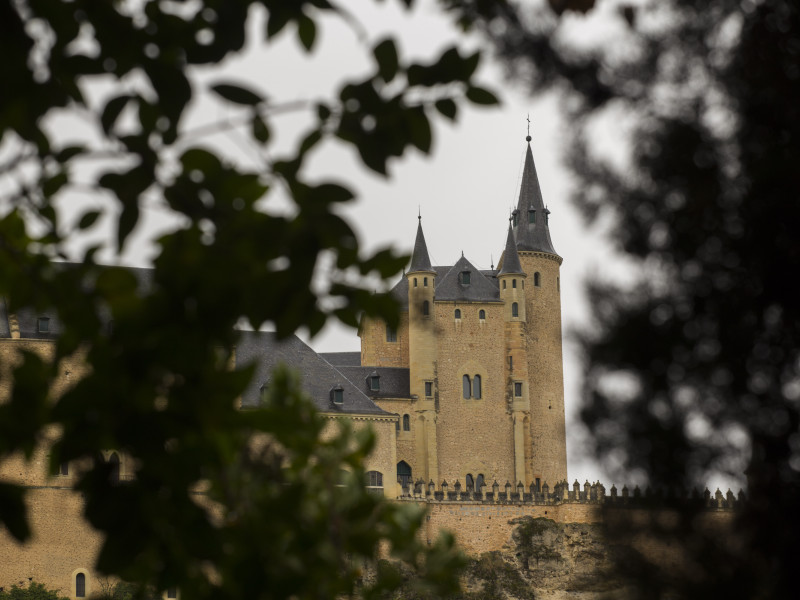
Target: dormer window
(43,325)
(337,394)
(374,382)
(465,277)
(531,215)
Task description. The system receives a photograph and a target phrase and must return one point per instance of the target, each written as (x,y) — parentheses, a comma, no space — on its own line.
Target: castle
(467,391)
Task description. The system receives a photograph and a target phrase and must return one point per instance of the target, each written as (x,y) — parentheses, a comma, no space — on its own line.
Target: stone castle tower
(483,357)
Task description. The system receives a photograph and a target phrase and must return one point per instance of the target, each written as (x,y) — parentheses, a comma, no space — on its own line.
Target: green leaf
(69,152)
(112,111)
(447,107)
(306,31)
(479,95)
(260,130)
(12,511)
(88,219)
(237,94)
(386,56)
(332,192)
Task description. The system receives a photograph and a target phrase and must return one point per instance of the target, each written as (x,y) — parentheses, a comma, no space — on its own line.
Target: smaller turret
(512,281)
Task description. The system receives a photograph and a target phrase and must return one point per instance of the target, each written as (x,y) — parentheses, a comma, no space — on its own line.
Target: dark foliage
(695,367)
(272,523)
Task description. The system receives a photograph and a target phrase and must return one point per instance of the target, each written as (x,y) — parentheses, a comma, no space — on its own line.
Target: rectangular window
(428,389)
(172,592)
(518,389)
(63,468)
(375,383)
(465,277)
(391,334)
(43,324)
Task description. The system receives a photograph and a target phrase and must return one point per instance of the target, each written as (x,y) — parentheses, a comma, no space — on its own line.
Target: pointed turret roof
(532,236)
(510,257)
(420,261)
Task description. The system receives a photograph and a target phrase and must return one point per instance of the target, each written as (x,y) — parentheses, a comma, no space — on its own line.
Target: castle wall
(474,435)
(376,351)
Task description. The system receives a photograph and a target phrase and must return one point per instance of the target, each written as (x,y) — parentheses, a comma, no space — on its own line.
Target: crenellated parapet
(563,493)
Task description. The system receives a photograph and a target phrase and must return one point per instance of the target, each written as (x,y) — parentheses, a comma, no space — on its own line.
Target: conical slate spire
(510,257)
(532,231)
(420,261)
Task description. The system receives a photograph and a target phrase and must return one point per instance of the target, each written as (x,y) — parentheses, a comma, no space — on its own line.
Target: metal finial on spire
(528,137)
(419,212)
(491,260)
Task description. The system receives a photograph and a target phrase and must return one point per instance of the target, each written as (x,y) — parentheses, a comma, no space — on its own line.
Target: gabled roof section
(532,236)
(510,257)
(420,261)
(453,287)
(318,376)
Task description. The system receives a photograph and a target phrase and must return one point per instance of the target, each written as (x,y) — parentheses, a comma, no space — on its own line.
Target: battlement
(562,493)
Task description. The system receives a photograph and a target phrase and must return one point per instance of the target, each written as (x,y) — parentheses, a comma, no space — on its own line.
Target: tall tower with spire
(542,264)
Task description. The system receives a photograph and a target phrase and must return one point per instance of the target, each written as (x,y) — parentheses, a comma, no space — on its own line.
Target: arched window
(426,308)
(406,423)
(375,482)
(80,585)
(479,483)
(404,473)
(113,460)
(515,310)
(415,282)
(514,283)
(425,282)
(458,313)
(536,279)
(482,315)
(476,387)
(465,384)
(470,483)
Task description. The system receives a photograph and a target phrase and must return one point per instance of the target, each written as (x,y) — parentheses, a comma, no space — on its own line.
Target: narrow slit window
(406,423)
(476,387)
(428,389)
(515,310)
(514,283)
(466,386)
(504,284)
(536,279)
(426,308)
(80,585)
(415,282)
(424,282)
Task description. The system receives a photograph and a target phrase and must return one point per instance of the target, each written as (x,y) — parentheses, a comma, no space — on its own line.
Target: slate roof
(479,289)
(394,381)
(420,261)
(511,262)
(28,318)
(318,376)
(342,359)
(532,236)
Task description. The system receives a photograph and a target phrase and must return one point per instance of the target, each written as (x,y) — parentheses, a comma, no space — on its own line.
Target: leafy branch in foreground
(159,387)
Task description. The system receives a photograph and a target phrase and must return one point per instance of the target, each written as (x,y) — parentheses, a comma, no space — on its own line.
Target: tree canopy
(694,367)
(276,519)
